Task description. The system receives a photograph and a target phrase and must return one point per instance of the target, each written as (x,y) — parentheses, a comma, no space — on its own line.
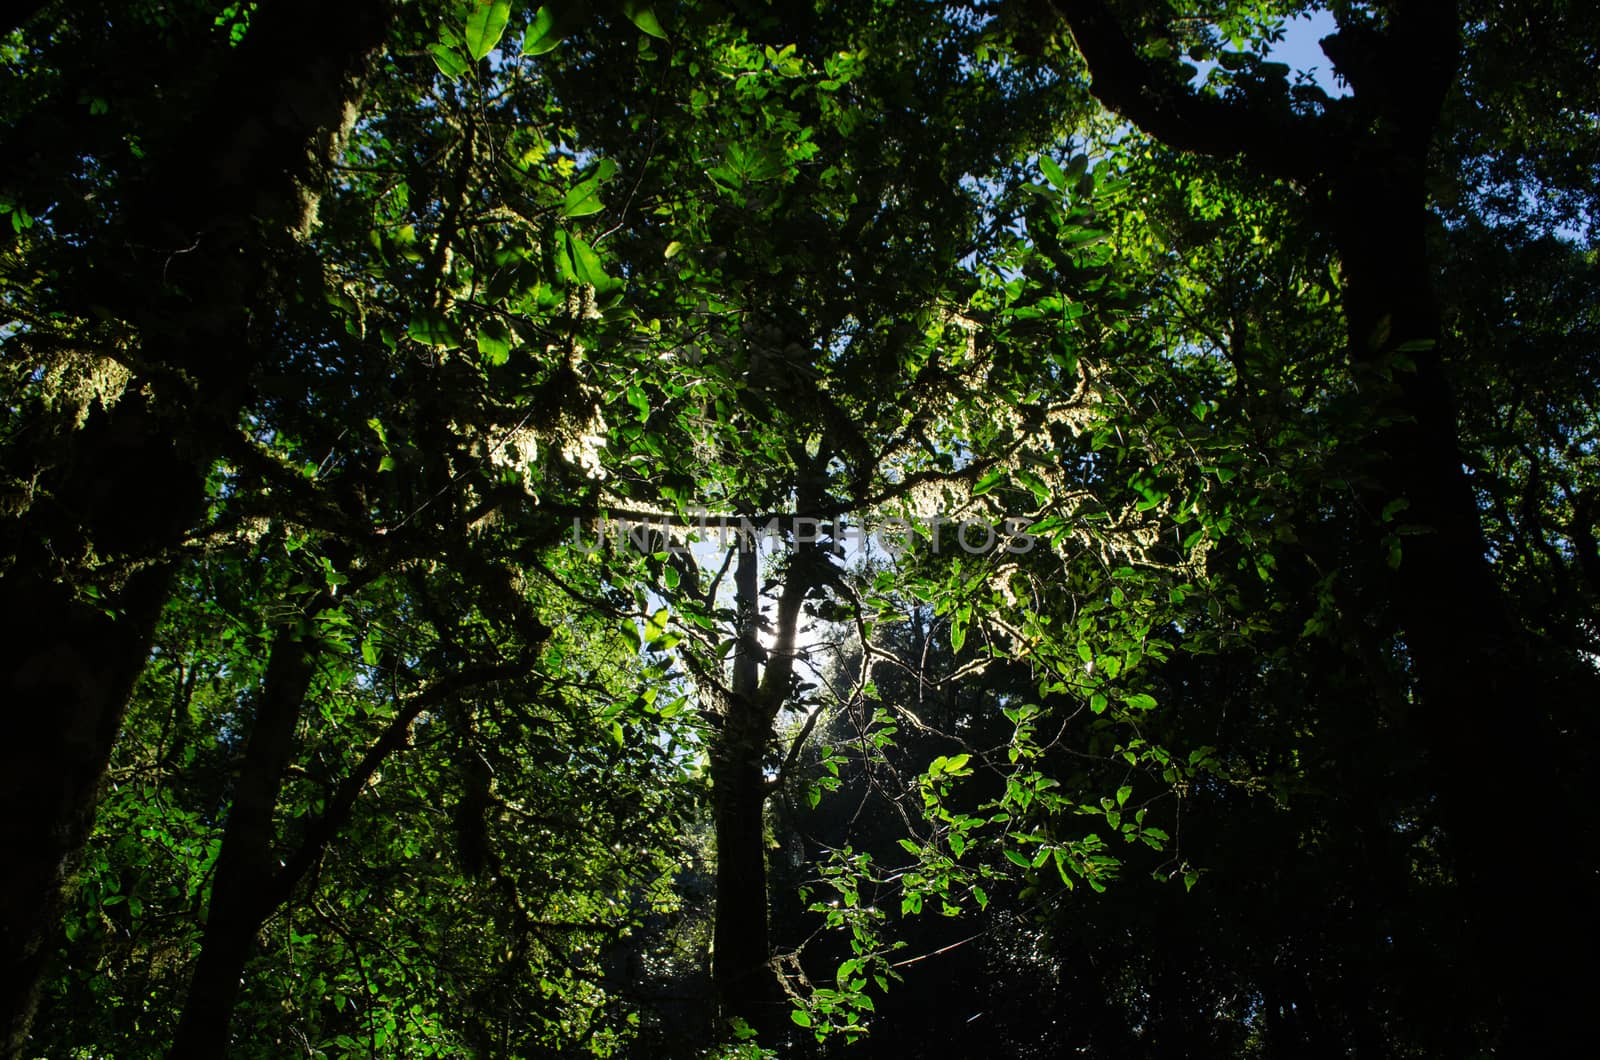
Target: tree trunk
(740,956)
(205,233)
(243,891)
(1487,704)
(64,700)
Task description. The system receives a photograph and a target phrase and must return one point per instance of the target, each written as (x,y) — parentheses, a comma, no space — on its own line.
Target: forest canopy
(678,528)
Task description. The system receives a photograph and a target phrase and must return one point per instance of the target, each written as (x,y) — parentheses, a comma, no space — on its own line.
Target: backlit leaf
(486,24)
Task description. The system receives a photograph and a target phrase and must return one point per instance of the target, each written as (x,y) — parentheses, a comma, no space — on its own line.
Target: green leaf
(1393,508)
(448,60)
(992,478)
(434,329)
(656,626)
(1035,485)
(585,263)
(801,1017)
(640,403)
(642,14)
(1052,172)
(1140,701)
(726,176)
(583,199)
(486,24)
(1019,859)
(542,36)
(494,342)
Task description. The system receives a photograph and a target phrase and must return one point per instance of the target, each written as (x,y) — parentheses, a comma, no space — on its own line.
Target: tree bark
(741,953)
(740,950)
(1487,702)
(205,231)
(242,888)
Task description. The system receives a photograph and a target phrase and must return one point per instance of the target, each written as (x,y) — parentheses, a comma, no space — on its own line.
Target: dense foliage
(730,529)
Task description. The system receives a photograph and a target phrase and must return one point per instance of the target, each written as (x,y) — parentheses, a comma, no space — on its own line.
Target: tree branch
(322,830)
(1283,143)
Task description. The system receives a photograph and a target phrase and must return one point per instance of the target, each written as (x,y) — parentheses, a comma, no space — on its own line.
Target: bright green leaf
(585,262)
(486,24)
(583,199)
(448,60)
(542,36)
(494,342)
(641,404)
(989,481)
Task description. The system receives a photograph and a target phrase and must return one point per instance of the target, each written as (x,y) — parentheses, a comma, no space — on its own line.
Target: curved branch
(1285,144)
(395,736)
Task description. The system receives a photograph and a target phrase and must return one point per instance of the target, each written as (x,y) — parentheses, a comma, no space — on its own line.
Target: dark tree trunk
(64,706)
(741,964)
(243,891)
(1488,704)
(742,968)
(740,950)
(205,234)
